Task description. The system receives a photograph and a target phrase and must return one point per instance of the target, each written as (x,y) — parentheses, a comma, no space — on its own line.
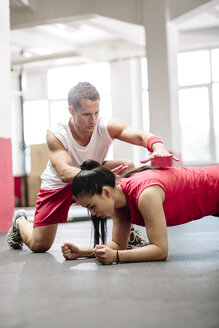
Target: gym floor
(44,290)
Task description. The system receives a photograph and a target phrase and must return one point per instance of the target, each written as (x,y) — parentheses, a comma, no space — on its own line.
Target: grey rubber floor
(43,290)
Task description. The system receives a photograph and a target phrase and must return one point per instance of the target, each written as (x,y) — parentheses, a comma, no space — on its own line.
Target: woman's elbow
(164,254)
(161,253)
(164,257)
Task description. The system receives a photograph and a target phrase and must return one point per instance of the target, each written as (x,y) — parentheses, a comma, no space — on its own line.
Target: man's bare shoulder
(53,142)
(115,126)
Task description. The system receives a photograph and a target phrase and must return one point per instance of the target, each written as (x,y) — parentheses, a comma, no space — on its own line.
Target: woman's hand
(104,254)
(119,170)
(70,251)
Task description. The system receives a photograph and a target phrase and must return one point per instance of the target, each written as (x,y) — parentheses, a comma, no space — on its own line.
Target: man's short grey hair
(82,90)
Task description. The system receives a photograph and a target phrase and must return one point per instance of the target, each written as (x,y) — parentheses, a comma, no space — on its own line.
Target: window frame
(209,86)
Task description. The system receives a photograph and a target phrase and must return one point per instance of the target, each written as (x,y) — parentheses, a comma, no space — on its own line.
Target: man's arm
(60,159)
(119,130)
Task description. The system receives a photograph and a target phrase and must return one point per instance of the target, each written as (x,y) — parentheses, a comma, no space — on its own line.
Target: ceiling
(88,39)
(203,20)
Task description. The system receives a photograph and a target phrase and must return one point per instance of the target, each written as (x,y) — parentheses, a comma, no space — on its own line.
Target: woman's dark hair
(90,180)
(138,169)
(100,230)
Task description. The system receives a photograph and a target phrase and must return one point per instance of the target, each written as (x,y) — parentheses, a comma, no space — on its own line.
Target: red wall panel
(6,185)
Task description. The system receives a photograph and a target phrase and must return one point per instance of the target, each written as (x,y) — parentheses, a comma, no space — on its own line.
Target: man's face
(85,117)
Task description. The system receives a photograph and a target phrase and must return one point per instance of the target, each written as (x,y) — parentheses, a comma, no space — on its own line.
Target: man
(84,136)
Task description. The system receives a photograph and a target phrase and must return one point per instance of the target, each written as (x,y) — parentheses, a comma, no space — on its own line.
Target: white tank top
(96,149)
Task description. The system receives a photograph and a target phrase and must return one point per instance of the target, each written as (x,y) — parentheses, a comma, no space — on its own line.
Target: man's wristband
(152,140)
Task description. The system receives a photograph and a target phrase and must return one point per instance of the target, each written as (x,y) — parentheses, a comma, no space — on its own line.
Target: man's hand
(159,151)
(70,251)
(104,254)
(119,169)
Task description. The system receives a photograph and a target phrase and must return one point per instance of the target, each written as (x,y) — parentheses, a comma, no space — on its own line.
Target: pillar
(6,176)
(161,53)
(127,104)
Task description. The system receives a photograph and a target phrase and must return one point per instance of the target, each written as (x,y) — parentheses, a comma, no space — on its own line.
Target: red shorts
(52,206)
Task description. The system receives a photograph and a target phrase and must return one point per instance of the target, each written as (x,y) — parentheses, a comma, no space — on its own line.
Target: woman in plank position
(154,198)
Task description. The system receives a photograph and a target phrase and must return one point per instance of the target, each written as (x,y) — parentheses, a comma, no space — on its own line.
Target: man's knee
(38,247)
(43,238)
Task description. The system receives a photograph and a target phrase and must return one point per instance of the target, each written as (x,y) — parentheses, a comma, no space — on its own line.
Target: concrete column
(127,104)
(6,177)
(16,121)
(161,53)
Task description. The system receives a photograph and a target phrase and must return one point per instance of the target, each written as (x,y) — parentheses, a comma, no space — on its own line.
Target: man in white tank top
(84,136)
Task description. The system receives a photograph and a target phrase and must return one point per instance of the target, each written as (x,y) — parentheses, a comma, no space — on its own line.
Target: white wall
(5,109)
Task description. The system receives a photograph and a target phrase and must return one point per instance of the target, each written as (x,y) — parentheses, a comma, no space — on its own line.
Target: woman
(154,198)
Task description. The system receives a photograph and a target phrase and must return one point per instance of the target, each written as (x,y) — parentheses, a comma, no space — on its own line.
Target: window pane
(97,74)
(144,73)
(59,112)
(195,125)
(145,104)
(60,80)
(194,67)
(216,117)
(215,65)
(36,121)
(106,106)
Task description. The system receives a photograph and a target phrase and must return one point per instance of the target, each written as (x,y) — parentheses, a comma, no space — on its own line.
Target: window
(216,117)
(58,111)
(215,64)
(97,74)
(195,124)
(36,121)
(145,97)
(194,68)
(198,74)
(60,80)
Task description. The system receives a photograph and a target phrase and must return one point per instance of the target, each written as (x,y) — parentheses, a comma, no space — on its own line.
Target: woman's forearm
(87,252)
(147,253)
(112,244)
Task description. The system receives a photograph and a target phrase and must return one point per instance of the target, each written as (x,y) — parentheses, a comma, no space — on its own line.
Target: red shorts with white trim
(52,206)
